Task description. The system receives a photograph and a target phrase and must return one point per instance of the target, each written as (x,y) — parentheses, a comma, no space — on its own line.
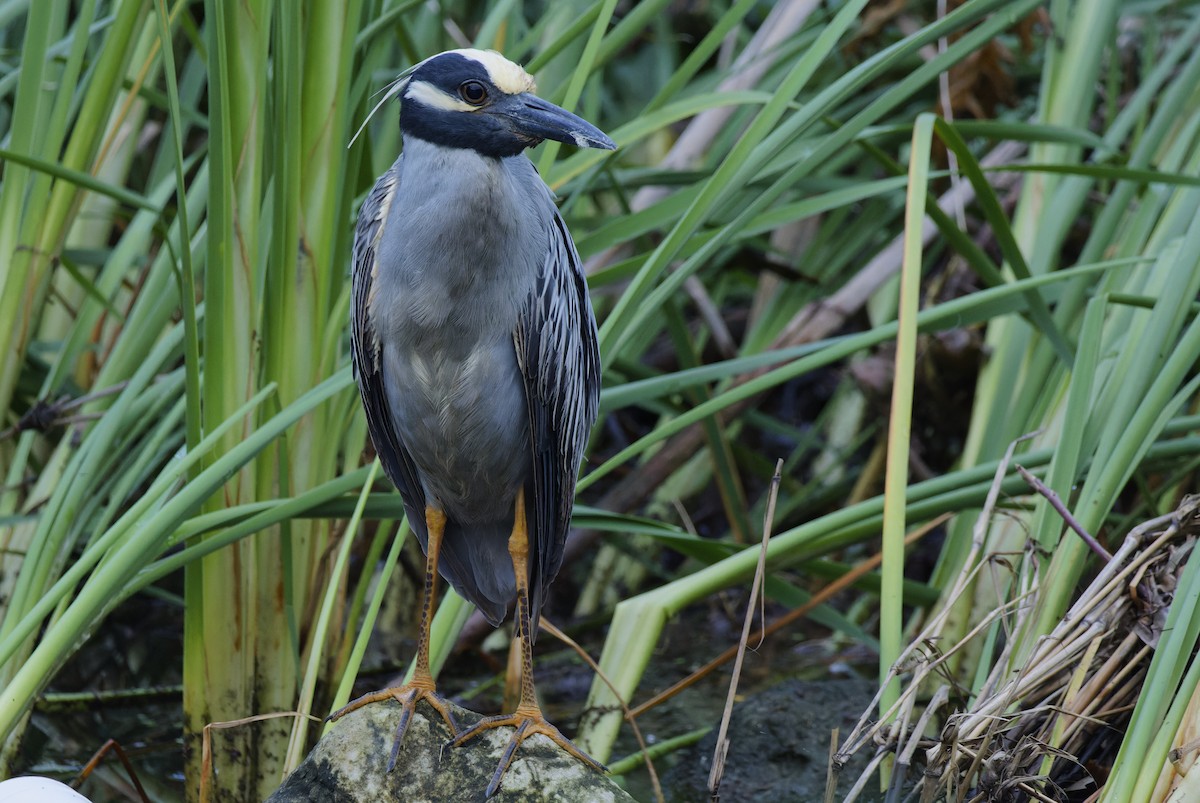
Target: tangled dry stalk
(1042,724)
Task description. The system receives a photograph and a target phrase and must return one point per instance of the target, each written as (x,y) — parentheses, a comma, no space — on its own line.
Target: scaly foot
(408,696)
(528,720)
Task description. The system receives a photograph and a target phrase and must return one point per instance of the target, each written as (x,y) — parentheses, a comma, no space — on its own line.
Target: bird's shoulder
(367,232)
(373,213)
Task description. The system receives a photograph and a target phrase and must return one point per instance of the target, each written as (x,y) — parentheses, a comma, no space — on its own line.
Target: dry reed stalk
(1037,718)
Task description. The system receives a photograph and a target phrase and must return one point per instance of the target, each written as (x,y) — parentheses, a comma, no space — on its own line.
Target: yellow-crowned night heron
(474,346)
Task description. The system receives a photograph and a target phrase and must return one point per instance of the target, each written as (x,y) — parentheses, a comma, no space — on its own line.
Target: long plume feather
(390,91)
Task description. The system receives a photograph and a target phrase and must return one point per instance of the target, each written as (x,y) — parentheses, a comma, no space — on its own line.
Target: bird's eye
(473,92)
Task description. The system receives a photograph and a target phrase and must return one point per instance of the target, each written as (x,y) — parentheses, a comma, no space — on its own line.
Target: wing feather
(559,358)
(366,350)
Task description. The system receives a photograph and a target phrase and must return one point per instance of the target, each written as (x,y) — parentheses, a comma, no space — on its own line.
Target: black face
(452,100)
(465,81)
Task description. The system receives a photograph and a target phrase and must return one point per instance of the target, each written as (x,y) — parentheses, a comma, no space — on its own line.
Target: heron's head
(478,99)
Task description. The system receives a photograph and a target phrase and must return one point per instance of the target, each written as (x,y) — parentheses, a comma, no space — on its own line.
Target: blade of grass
(891,602)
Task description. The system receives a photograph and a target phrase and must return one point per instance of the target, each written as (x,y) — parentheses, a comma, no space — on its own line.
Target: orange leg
(528,718)
(422,686)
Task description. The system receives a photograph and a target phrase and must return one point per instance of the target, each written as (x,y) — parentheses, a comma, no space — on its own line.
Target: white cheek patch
(508,77)
(429,95)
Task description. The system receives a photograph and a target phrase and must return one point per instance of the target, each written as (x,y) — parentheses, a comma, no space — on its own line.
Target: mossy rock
(350,764)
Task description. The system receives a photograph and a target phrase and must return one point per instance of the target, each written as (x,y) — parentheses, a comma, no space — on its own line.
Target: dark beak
(530,117)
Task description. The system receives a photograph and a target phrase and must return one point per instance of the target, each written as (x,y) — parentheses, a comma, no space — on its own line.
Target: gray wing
(366,351)
(559,358)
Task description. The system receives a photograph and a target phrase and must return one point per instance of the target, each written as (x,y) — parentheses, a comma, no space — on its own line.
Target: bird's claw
(408,696)
(527,723)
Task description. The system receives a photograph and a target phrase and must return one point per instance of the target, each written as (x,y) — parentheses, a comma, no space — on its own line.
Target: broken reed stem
(1061,510)
(206,748)
(718,765)
(111,746)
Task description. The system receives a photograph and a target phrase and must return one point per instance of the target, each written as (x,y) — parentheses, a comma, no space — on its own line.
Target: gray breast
(457,261)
